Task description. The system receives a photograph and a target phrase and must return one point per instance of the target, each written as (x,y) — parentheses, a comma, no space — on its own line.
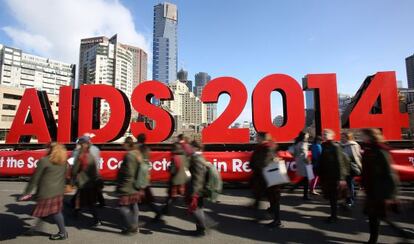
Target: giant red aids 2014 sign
(79,113)
(79,110)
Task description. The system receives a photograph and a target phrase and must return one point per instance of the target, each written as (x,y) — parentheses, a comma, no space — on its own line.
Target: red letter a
(29,120)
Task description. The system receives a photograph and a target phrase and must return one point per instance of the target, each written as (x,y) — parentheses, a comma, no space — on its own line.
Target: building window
(7,118)
(12,96)
(9,107)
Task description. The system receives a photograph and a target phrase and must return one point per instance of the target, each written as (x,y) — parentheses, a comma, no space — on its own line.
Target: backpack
(142,175)
(214,183)
(355,168)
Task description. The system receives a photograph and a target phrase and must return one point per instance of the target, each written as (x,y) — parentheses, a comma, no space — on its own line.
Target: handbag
(276,173)
(309,171)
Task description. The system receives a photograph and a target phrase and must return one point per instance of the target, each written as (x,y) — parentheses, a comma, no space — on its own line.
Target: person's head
(141,138)
(317,139)
(347,136)
(372,136)
(129,143)
(302,136)
(328,135)
(197,146)
(57,153)
(180,137)
(263,137)
(84,142)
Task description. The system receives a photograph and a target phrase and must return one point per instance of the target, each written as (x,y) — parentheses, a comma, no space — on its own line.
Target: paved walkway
(304,222)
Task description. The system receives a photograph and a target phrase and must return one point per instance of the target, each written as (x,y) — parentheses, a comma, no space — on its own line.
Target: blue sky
(251,39)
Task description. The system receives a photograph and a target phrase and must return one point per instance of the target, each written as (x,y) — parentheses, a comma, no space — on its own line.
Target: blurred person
(146,177)
(300,153)
(126,186)
(96,153)
(333,170)
(49,181)
(262,156)
(196,190)
(380,183)
(179,173)
(316,150)
(353,150)
(87,179)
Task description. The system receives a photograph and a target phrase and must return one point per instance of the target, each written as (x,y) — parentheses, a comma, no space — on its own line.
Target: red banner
(234,166)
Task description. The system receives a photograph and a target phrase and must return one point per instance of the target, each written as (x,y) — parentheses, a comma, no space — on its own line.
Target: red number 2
(218,131)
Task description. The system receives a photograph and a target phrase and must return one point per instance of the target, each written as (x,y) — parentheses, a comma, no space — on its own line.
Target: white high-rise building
(22,70)
(106,62)
(186,107)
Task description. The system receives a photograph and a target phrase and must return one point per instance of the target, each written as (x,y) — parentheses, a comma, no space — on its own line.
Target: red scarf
(84,160)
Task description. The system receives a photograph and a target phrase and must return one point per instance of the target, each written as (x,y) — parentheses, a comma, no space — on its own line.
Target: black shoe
(101,205)
(306,198)
(130,231)
(59,236)
(200,231)
(275,224)
(31,232)
(331,219)
(157,218)
(97,223)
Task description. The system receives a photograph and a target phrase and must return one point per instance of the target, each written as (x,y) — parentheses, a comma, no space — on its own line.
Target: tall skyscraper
(23,70)
(164,65)
(182,76)
(139,64)
(201,80)
(409,64)
(106,61)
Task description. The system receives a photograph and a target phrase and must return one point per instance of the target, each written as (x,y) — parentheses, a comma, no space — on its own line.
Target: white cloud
(25,40)
(53,28)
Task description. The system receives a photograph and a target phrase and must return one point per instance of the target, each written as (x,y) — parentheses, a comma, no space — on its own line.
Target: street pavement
(304,221)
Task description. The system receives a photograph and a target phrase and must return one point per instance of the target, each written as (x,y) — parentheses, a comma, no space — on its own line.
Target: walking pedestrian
(353,150)
(127,188)
(195,192)
(179,173)
(49,181)
(316,150)
(96,154)
(333,170)
(146,177)
(87,179)
(379,182)
(300,153)
(262,156)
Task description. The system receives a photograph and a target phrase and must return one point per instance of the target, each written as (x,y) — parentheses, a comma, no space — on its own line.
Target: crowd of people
(332,165)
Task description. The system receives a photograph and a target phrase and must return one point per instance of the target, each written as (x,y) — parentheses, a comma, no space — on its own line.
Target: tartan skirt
(176,190)
(49,206)
(127,200)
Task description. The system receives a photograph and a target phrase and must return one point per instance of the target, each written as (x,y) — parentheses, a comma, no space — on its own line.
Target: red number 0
(218,131)
(292,94)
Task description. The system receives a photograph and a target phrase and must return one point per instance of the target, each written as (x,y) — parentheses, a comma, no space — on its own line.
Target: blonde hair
(349,136)
(328,134)
(58,154)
